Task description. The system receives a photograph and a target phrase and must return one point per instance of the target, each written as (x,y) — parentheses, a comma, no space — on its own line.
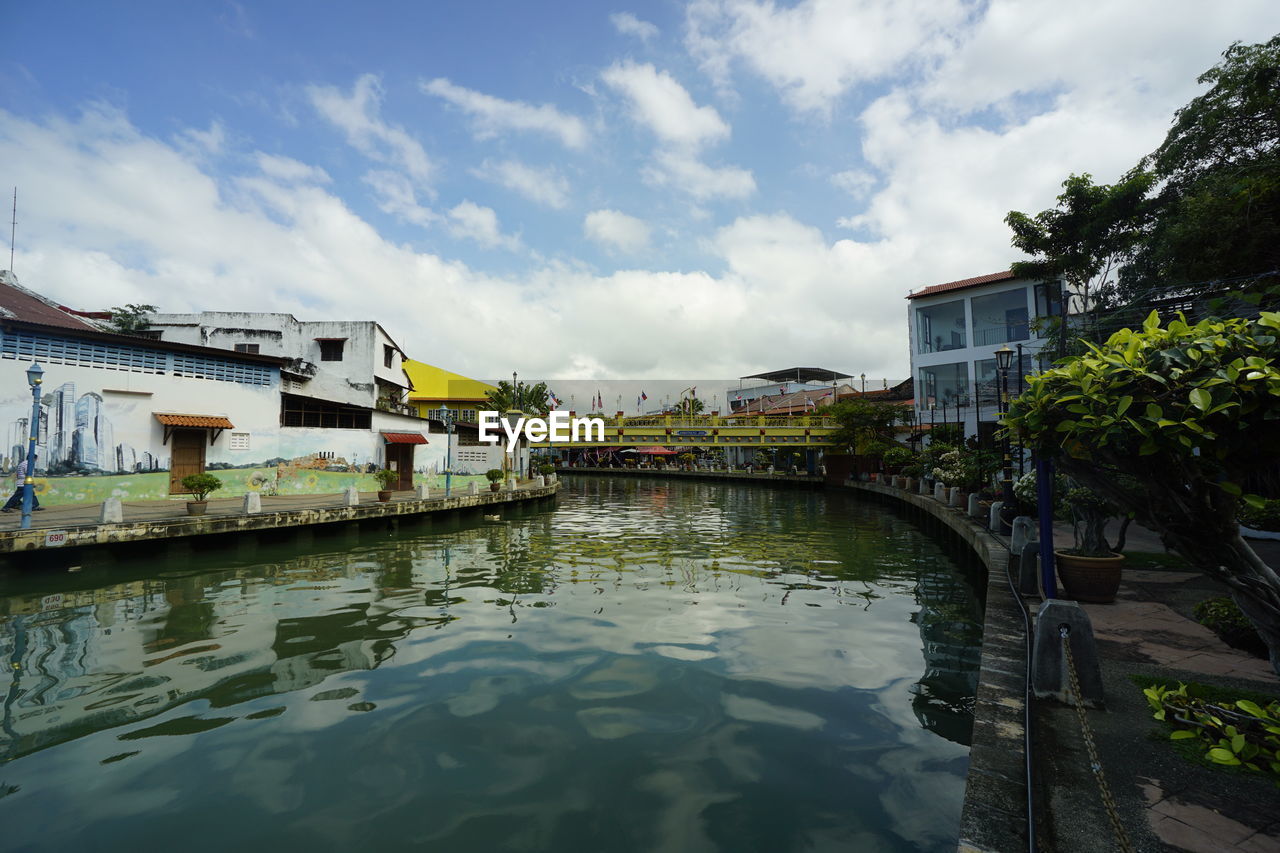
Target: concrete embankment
(60,541)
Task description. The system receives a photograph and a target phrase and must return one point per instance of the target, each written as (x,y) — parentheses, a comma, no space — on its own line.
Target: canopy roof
(801,374)
(435,384)
(197,421)
(404,438)
(656,451)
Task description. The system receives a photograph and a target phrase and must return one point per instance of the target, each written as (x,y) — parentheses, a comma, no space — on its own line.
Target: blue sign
(691,432)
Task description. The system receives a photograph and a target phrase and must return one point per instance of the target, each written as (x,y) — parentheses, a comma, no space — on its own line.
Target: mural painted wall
(98,435)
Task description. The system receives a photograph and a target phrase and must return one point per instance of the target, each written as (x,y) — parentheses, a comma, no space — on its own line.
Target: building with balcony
(955,330)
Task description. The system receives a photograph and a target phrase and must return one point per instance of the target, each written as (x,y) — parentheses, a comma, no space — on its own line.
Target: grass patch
(1156,560)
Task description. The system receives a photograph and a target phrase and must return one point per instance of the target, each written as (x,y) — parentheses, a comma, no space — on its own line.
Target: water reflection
(652,665)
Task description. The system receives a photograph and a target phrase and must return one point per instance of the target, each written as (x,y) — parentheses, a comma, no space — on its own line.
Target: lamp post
(446,418)
(35,376)
(1004,359)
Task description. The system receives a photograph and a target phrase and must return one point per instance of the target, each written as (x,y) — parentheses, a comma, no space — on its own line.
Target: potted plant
(1090,570)
(546,468)
(200,486)
(494,476)
(686,460)
(1260,522)
(386,479)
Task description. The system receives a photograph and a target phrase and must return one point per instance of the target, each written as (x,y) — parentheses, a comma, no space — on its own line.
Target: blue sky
(574,189)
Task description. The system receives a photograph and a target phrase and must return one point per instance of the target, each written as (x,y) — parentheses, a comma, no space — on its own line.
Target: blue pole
(1044,504)
(29,486)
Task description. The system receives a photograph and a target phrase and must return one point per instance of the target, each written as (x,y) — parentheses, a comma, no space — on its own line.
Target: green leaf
(1182,734)
(1230,488)
(1154,412)
(1201,398)
(1218,755)
(1123,405)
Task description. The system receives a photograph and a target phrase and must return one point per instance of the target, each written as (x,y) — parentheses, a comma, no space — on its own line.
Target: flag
(637,403)
(599,403)
(644,396)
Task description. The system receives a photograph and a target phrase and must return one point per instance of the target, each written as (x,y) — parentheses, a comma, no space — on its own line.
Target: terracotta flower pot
(1092,579)
(384,495)
(493,487)
(197,507)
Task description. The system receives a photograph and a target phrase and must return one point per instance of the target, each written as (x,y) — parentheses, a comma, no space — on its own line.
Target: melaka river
(644,665)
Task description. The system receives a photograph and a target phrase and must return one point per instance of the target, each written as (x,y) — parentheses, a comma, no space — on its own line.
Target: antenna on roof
(13,227)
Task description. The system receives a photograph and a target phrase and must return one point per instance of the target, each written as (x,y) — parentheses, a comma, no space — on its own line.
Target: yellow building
(434,387)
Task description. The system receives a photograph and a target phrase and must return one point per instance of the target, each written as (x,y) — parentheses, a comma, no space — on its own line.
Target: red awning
(656,451)
(198,421)
(404,438)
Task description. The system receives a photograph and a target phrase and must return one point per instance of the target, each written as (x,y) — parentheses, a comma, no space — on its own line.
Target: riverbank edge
(35,542)
(993,815)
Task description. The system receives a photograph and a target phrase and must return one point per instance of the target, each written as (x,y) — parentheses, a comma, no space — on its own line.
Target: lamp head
(35,374)
(1004,357)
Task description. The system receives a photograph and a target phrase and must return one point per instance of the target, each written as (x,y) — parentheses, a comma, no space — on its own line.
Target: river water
(645,665)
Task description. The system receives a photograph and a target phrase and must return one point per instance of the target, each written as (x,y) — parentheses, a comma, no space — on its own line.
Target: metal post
(1022,452)
(35,376)
(447,417)
(1044,502)
(1006,475)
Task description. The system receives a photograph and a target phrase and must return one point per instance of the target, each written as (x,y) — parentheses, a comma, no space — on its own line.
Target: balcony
(993,335)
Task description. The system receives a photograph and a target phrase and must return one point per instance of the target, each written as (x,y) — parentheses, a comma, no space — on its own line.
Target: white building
(343,375)
(955,330)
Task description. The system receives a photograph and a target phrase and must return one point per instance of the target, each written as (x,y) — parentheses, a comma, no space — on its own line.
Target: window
(249,348)
(1049,299)
(940,327)
(944,385)
(331,348)
(388,356)
(1000,317)
(306,412)
(238,441)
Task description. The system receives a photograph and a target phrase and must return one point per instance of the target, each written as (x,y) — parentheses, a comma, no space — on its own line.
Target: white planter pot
(1250,533)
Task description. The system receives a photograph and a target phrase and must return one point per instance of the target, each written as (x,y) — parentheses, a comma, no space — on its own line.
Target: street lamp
(446,418)
(35,376)
(1004,359)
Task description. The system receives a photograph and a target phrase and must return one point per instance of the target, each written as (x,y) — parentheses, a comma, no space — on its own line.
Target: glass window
(940,327)
(249,348)
(1000,317)
(986,381)
(388,356)
(944,384)
(1049,299)
(331,349)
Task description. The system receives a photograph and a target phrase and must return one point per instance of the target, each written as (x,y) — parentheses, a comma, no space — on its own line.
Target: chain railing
(1095,763)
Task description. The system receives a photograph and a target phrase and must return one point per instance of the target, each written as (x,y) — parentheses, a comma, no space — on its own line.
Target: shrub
(546,468)
(1237,734)
(1265,517)
(201,485)
(1223,617)
(897,456)
(494,475)
(386,478)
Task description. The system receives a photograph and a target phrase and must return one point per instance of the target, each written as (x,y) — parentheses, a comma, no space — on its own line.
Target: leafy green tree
(864,427)
(1217,214)
(524,397)
(130,318)
(1187,412)
(1083,240)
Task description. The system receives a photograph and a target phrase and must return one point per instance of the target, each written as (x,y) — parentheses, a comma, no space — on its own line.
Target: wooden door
(187,456)
(400,460)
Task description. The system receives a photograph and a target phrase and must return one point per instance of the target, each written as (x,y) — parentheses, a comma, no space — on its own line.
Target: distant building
(955,329)
(777,383)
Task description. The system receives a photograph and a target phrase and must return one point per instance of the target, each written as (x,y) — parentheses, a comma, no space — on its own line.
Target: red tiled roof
(199,421)
(1006,275)
(18,303)
(404,438)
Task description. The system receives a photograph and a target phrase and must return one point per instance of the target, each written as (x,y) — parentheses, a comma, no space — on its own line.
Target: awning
(170,421)
(404,438)
(656,451)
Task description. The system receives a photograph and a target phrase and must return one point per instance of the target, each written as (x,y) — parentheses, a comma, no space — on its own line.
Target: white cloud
(290,170)
(492,115)
(544,186)
(209,141)
(629,25)
(815,51)
(474,222)
(856,182)
(397,197)
(617,230)
(679,170)
(664,106)
(358,116)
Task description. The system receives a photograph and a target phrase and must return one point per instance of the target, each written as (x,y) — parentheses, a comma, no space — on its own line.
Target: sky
(574,190)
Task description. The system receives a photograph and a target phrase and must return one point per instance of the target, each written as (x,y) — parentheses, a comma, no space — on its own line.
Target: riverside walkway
(78,527)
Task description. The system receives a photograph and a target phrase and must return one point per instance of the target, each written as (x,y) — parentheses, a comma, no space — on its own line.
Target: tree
(865,427)
(1083,240)
(531,399)
(129,319)
(1187,412)
(1217,214)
